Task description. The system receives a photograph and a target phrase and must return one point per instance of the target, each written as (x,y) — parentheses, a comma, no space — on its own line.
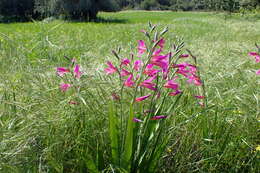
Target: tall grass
(41,132)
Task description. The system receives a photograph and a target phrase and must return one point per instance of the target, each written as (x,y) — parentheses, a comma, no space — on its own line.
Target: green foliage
(74,9)
(188,5)
(149,5)
(17,8)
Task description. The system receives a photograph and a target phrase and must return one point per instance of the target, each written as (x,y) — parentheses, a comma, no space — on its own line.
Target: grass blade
(128,147)
(113,132)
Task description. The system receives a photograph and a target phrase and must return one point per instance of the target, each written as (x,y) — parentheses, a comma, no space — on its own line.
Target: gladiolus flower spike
(111,68)
(77,73)
(139,99)
(64,87)
(158,117)
(62,70)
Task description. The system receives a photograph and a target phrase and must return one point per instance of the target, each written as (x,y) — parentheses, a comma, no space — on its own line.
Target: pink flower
(148,83)
(257,58)
(125,62)
(185,68)
(258,72)
(143,31)
(137,65)
(193,79)
(188,71)
(256,55)
(111,68)
(128,82)
(158,117)
(159,60)
(62,70)
(175,93)
(184,56)
(137,120)
(139,99)
(124,72)
(172,84)
(162,61)
(200,97)
(141,47)
(73,60)
(150,71)
(201,104)
(161,43)
(253,54)
(64,87)
(157,52)
(77,73)
(148,111)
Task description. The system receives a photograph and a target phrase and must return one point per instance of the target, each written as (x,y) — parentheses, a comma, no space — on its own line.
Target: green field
(40,132)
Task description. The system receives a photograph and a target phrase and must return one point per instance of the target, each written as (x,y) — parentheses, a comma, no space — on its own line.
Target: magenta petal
(137,120)
(139,99)
(64,87)
(175,93)
(62,70)
(200,97)
(73,60)
(158,117)
(111,68)
(128,82)
(141,47)
(161,43)
(137,65)
(184,56)
(157,52)
(172,84)
(201,104)
(77,73)
(125,62)
(193,79)
(150,71)
(148,83)
(124,72)
(253,54)
(161,61)
(258,72)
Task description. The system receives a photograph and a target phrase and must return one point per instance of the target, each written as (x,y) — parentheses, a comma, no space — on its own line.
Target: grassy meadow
(41,132)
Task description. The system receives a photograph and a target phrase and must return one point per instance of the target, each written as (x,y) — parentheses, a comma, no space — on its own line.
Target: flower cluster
(71,77)
(154,71)
(257,59)
(76,73)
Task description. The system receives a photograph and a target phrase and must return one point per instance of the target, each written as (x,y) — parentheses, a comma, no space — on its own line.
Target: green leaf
(91,164)
(128,146)
(100,159)
(113,131)
(155,157)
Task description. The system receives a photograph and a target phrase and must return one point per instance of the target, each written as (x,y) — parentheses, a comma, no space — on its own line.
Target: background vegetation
(41,132)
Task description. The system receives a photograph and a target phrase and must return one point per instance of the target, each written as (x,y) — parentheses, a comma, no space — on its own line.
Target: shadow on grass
(16,19)
(101,20)
(13,19)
